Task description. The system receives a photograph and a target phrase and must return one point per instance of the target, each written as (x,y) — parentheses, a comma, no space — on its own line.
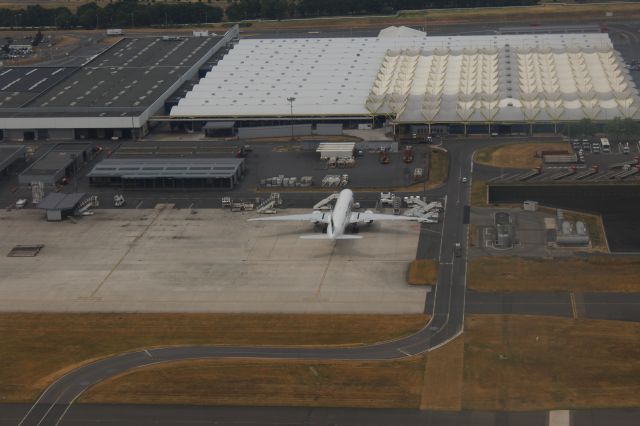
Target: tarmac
(160,415)
(210,260)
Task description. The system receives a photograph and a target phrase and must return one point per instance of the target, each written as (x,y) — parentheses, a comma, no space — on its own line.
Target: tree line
(280,9)
(123,14)
(130,13)
(617,128)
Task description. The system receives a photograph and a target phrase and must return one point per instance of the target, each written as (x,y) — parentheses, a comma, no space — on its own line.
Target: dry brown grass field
(585,274)
(517,156)
(38,348)
(478,197)
(423,272)
(527,363)
(380,384)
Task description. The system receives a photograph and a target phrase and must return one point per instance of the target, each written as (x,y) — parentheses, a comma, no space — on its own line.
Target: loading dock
(219,129)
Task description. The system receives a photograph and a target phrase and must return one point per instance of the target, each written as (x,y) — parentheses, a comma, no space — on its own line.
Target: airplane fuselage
(341,214)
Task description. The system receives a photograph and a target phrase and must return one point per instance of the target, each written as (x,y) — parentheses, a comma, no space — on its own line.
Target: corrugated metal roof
(167,167)
(446,79)
(9,154)
(58,201)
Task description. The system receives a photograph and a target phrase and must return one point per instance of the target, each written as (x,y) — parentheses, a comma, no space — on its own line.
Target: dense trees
(277,9)
(129,13)
(616,129)
(126,13)
(621,129)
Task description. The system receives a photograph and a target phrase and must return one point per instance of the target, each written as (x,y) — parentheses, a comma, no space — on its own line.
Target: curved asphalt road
(446,322)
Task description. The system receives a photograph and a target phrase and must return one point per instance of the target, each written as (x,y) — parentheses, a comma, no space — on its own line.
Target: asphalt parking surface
(133,415)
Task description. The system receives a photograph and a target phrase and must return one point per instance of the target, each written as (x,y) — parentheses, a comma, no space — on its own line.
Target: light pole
(291,99)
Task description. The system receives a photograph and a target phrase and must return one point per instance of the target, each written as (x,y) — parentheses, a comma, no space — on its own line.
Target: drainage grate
(26,251)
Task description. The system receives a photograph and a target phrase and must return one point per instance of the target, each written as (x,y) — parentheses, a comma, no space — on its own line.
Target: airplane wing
(368,217)
(326,237)
(315,217)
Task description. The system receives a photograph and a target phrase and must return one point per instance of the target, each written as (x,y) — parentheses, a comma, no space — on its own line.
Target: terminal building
(521,81)
(411,82)
(111,96)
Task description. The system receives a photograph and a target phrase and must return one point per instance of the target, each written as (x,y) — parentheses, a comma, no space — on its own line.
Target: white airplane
(338,219)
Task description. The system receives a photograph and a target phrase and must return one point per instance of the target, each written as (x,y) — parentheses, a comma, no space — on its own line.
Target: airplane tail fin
(326,237)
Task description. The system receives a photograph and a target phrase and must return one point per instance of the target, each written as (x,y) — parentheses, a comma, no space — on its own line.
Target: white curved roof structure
(401,31)
(418,79)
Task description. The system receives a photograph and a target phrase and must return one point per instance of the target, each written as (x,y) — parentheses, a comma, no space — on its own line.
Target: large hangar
(112,95)
(405,77)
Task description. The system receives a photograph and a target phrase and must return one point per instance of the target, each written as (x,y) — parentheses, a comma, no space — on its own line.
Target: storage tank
(581,228)
(504,238)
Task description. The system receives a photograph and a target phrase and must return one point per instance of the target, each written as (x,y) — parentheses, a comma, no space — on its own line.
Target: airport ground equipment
(408,154)
(386,199)
(286,182)
(332,181)
(86,204)
(37,192)
(418,173)
(397,204)
(268,205)
(118,200)
(384,157)
(242,206)
(425,212)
